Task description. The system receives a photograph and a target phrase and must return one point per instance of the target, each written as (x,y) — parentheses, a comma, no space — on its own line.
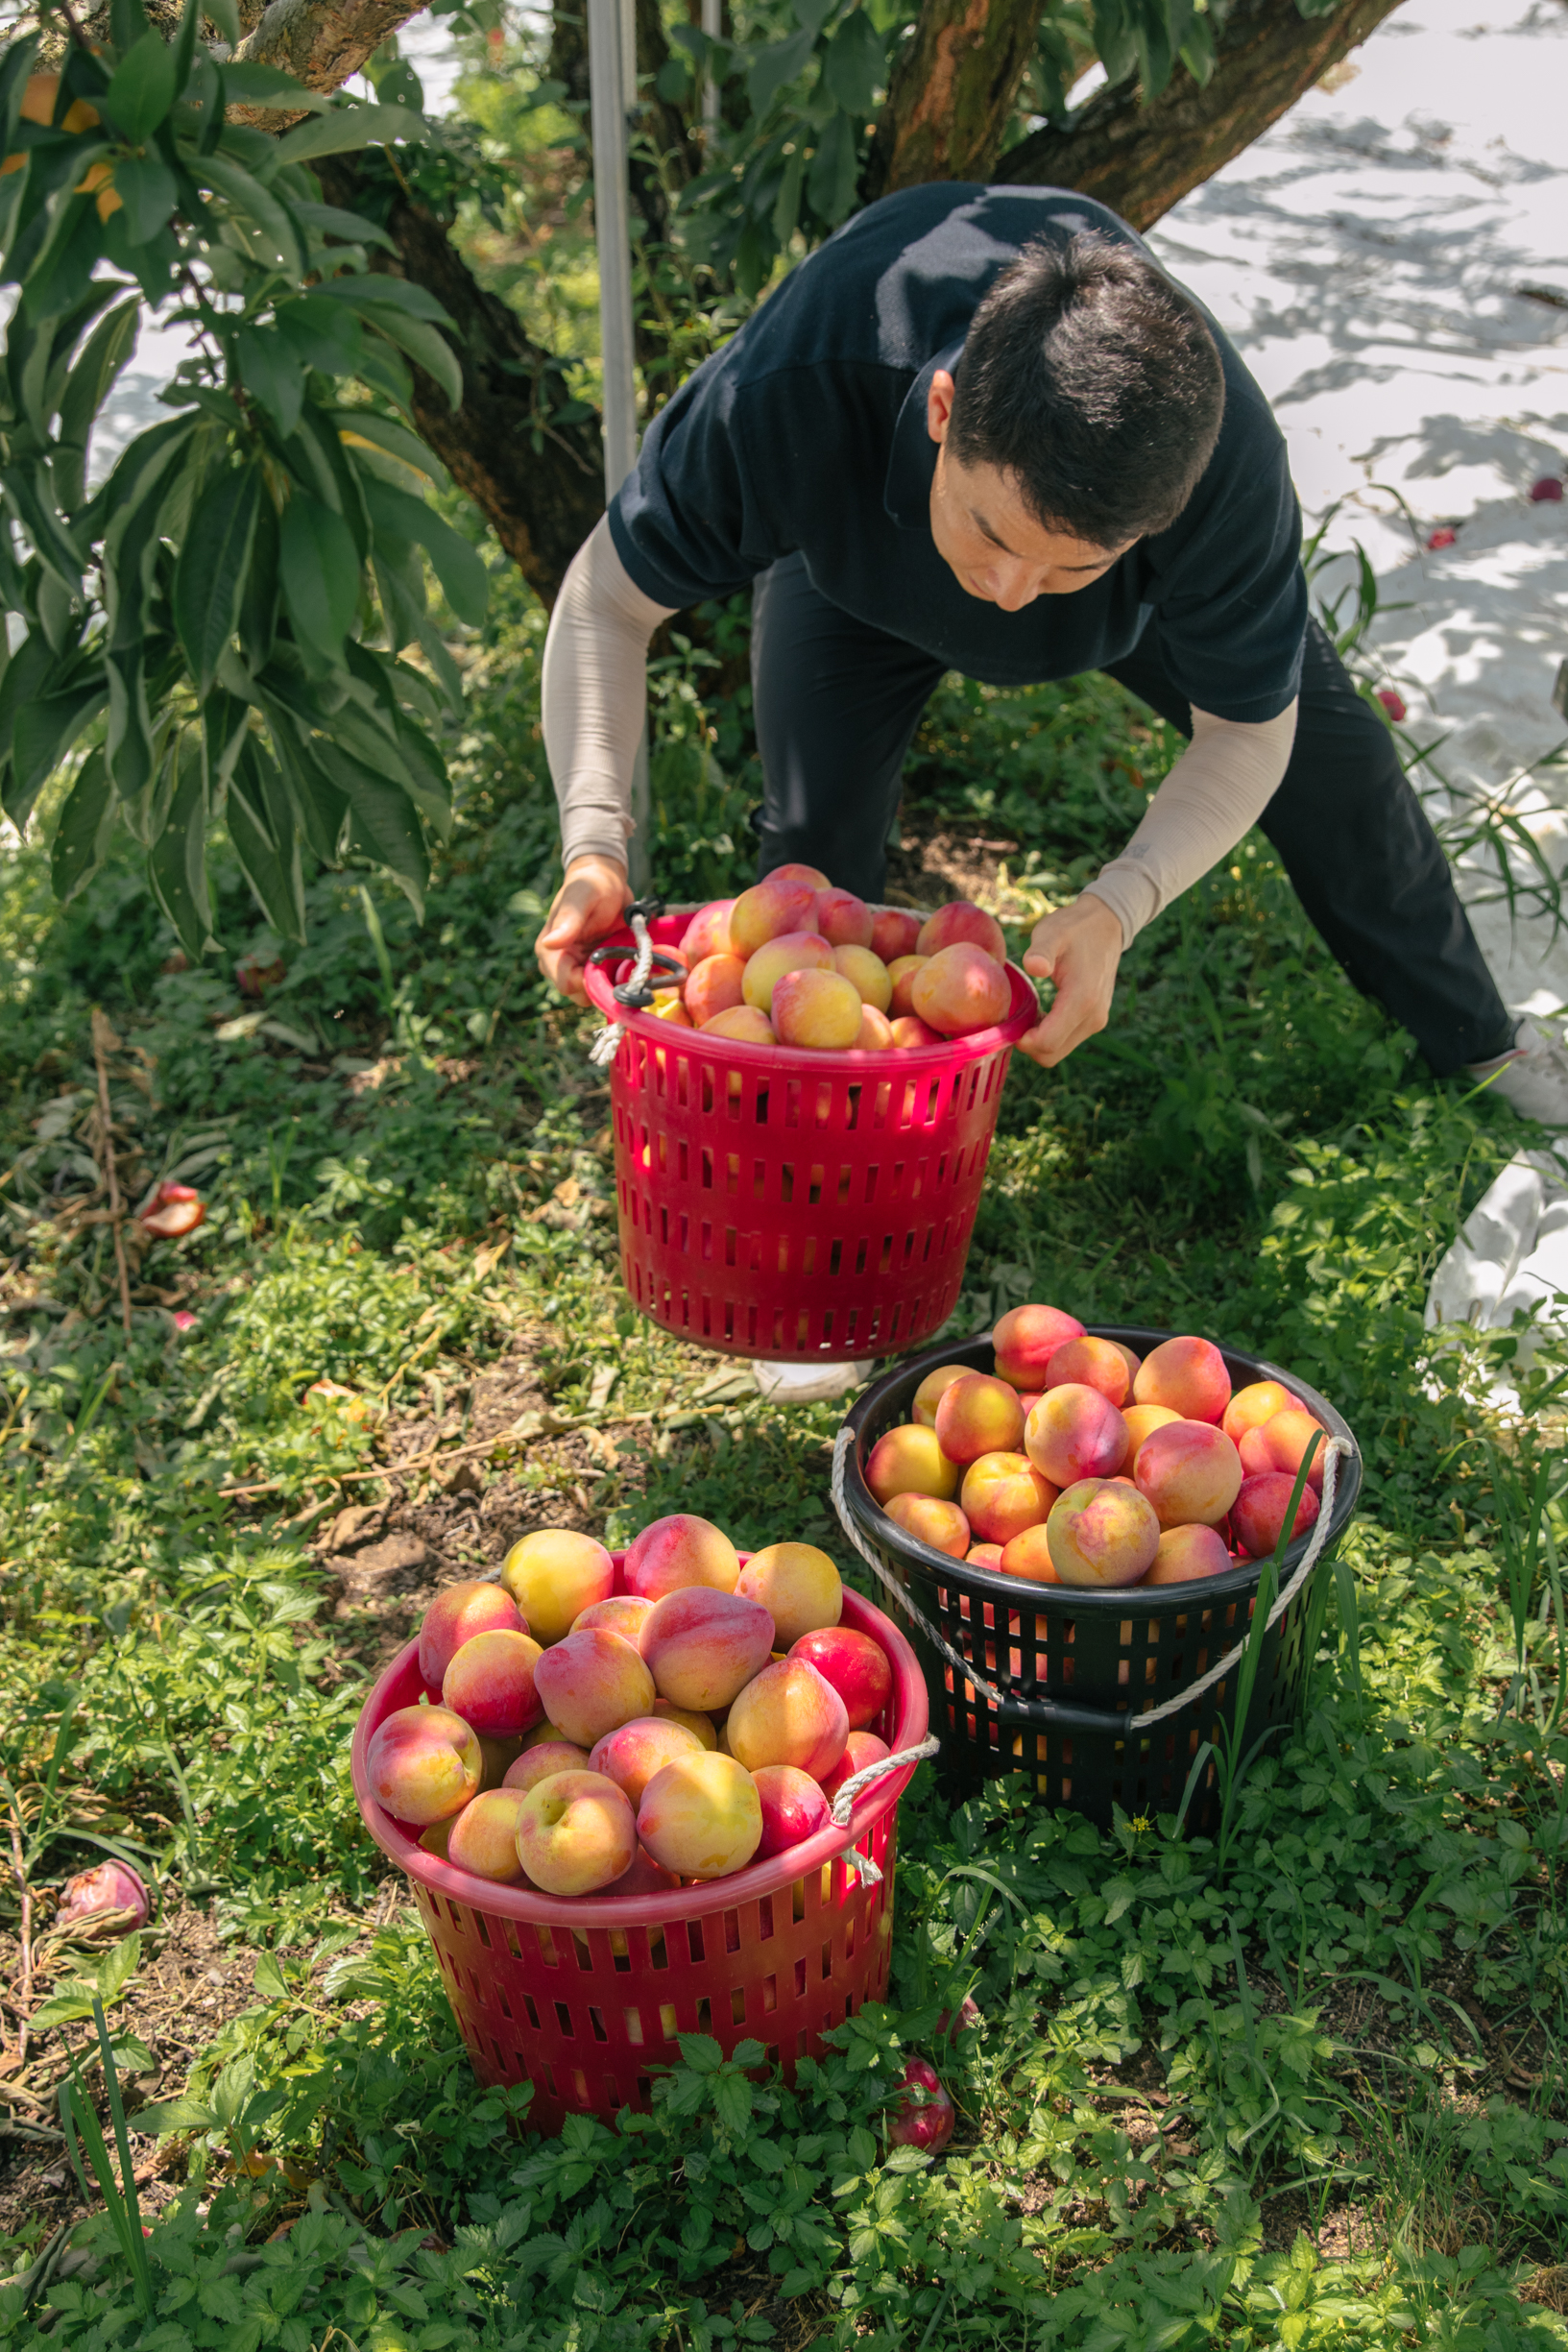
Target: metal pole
(612,86)
(713,25)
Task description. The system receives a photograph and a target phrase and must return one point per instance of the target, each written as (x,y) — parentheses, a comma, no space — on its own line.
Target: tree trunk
(540,485)
(952,92)
(1141,159)
(319,46)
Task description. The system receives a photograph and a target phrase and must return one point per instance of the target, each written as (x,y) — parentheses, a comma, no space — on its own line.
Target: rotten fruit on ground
(925,2115)
(173,1211)
(109,1892)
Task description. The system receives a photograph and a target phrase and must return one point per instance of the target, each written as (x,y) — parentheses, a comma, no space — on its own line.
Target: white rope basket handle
(1334,1451)
(867,1778)
(607,1044)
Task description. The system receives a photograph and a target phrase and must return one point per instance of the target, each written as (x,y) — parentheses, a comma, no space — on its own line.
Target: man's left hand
(1078,947)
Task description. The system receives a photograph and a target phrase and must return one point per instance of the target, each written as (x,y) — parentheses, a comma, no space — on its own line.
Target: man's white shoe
(810,1384)
(1533,1078)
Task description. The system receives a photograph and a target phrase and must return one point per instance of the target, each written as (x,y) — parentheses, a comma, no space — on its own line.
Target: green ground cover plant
(1306,2091)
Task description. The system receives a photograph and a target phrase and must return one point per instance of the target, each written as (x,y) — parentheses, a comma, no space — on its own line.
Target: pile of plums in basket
(793,960)
(585,1741)
(1077,1463)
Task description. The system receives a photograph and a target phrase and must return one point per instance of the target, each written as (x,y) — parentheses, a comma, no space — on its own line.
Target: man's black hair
(1093,382)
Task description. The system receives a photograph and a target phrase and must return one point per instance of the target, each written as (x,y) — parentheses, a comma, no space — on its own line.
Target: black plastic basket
(1069,1667)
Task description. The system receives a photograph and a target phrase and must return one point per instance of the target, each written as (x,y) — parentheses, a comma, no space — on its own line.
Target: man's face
(986,535)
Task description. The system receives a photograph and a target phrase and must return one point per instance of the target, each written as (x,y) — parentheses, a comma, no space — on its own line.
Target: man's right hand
(588,906)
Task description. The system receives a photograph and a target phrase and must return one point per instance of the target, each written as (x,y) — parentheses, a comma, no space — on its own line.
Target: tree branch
(952,92)
(1141,159)
(320,46)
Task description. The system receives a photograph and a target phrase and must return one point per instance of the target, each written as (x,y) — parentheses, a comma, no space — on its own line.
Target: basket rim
(911,1703)
(1074,1600)
(947,1053)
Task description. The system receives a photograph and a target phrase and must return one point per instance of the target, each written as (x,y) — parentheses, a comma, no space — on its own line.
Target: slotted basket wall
(582,1997)
(1071,1666)
(806,1207)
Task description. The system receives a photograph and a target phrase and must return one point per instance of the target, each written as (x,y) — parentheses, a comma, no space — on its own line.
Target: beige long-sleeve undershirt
(596,691)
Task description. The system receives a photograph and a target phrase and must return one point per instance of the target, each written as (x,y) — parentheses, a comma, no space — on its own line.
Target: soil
(188,1985)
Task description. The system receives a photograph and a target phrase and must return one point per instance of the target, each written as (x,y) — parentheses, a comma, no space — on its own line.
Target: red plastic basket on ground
(582,1997)
(809,1207)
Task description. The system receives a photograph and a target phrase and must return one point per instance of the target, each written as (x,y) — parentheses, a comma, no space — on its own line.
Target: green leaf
(385,822)
(82,829)
(209,579)
(1197,50)
(16,62)
(148,191)
(319,569)
(319,334)
(831,184)
(271,374)
(31,494)
(262,829)
(351,227)
(458,565)
(384,293)
(107,349)
(117,1967)
(177,862)
(249,85)
(45,732)
(356,424)
(855,64)
(776,65)
(268,1978)
(144,87)
(257,207)
(226,16)
(348,128)
(424,346)
(170,2114)
(786,207)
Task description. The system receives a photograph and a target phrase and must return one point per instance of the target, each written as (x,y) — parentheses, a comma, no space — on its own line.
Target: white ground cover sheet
(1369,255)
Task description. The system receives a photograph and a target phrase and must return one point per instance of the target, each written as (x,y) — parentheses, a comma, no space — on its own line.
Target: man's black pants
(838,703)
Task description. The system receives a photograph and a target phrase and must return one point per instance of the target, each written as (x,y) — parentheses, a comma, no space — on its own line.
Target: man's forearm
(595,686)
(1218,789)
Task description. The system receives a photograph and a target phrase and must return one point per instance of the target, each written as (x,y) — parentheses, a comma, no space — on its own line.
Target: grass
(1306,2092)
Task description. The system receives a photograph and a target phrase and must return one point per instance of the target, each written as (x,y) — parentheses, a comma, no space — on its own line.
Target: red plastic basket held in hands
(582,1997)
(797,1207)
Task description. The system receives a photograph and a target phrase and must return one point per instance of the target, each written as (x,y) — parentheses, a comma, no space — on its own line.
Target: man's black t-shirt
(808,432)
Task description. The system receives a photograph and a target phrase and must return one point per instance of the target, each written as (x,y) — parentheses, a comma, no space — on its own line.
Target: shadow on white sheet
(1511,1255)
